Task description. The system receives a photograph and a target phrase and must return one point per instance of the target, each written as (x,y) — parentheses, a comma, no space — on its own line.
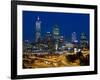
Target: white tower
(37,29)
(74,38)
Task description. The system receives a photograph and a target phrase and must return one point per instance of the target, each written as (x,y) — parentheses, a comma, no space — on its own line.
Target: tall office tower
(61,41)
(56,32)
(83,41)
(48,36)
(56,35)
(37,29)
(74,38)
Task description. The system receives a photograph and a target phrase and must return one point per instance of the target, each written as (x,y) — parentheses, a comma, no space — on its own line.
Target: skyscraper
(48,36)
(83,41)
(74,40)
(56,32)
(37,29)
(56,35)
(74,37)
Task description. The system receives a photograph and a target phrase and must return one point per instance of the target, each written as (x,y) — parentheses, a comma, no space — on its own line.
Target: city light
(54,50)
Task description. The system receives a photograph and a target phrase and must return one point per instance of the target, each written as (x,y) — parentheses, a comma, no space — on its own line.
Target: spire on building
(37,29)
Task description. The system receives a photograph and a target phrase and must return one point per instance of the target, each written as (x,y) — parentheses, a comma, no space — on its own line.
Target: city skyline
(65,21)
(55,39)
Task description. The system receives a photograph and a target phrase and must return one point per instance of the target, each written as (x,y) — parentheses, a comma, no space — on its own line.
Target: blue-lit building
(56,32)
(37,29)
(83,41)
(56,35)
(74,40)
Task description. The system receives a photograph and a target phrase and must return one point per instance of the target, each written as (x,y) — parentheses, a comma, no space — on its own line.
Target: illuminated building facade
(56,32)
(74,37)
(37,29)
(56,35)
(83,41)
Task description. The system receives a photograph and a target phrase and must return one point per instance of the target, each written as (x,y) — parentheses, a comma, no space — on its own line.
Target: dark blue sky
(68,23)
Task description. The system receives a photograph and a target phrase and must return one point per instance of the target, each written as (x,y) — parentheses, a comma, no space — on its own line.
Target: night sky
(67,22)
